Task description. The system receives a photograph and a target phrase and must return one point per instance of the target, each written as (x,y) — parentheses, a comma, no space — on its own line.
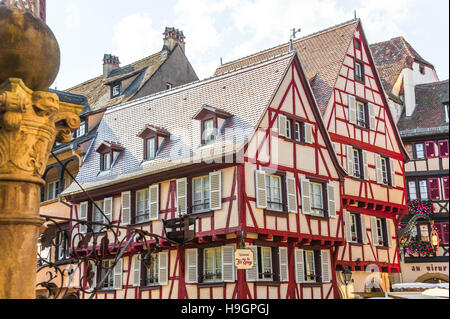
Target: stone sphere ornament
(28,49)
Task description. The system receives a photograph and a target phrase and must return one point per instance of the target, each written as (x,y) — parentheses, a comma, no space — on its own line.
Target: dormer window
(109,152)
(212,121)
(153,140)
(208,131)
(168,86)
(81,130)
(115,90)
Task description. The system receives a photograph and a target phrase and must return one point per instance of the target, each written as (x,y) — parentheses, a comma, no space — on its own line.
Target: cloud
(135,38)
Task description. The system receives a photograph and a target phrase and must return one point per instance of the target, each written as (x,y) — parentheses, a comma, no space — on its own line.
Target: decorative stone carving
(30,122)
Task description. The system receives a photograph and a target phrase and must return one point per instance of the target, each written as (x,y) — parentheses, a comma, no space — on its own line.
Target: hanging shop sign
(244,259)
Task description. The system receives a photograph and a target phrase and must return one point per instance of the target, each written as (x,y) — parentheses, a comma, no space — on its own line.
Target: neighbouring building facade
(354,107)
(422,110)
(160,71)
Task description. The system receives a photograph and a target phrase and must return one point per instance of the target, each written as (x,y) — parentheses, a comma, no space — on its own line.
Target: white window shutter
(83,216)
(291,188)
(366,165)
(347,226)
(192,265)
(284,266)
(373,229)
(378,169)
(252,274)
(389,232)
(215,190)
(153,193)
(228,264)
(306,197)
(282,129)
(261,192)
(182,196)
(299,266)
(392,166)
(350,162)
(308,133)
(326,266)
(372,119)
(118,275)
(137,270)
(94,270)
(331,201)
(351,109)
(108,210)
(163,268)
(363,228)
(126,208)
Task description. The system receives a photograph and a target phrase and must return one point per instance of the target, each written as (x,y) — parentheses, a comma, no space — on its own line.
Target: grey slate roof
(245,93)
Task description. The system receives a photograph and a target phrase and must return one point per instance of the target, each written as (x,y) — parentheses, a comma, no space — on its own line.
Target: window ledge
(267,284)
(275,213)
(312,284)
(203,214)
(210,284)
(106,291)
(383,247)
(356,244)
(147,288)
(318,218)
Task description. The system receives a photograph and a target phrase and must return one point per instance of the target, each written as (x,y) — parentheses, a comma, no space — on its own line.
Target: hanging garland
(416,207)
(419,248)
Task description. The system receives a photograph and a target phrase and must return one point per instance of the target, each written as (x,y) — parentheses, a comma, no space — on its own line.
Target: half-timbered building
(248,156)
(341,72)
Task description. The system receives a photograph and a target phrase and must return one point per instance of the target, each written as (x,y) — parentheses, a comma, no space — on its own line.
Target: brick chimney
(173,36)
(110,62)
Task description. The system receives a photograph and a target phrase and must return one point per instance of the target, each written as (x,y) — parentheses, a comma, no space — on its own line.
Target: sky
(230,29)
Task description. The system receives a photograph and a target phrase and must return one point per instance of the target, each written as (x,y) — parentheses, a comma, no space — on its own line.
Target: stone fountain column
(31,120)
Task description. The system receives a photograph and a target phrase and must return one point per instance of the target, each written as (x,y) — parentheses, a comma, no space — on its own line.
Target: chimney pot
(172,37)
(110,62)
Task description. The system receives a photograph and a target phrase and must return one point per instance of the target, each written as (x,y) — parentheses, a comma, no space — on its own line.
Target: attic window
(359,71)
(168,86)
(357,44)
(153,139)
(115,90)
(212,121)
(109,153)
(422,69)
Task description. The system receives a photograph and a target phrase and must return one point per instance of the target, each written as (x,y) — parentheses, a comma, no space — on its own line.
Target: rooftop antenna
(221,62)
(356,17)
(293,36)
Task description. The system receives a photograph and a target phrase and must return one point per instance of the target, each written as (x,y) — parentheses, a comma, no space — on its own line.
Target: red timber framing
(366,196)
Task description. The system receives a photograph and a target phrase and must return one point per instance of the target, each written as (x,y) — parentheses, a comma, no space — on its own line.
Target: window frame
(385,171)
(108,284)
(416,154)
(269,194)
(62,246)
(213,132)
(217,269)
(116,90)
(264,275)
(361,108)
(313,273)
(381,232)
(322,198)
(103,161)
(358,78)
(150,156)
(356,223)
(145,271)
(146,201)
(55,190)
(427,191)
(203,199)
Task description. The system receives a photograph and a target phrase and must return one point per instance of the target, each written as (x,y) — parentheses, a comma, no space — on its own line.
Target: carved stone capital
(30,122)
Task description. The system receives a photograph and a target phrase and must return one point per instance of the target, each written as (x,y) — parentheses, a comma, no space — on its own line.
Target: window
(361,114)
(115,91)
(354,228)
(200,194)
(422,69)
(310,268)
(384,169)
(142,206)
(274,192)
(420,153)
(208,131)
(265,263)
(98,216)
(151,271)
(423,187)
(380,231)
(212,264)
(359,71)
(357,172)
(298,132)
(62,248)
(106,161)
(81,130)
(109,281)
(430,150)
(443,149)
(51,190)
(412,190)
(168,86)
(317,208)
(288,128)
(434,188)
(150,149)
(357,44)
(446,109)
(424,232)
